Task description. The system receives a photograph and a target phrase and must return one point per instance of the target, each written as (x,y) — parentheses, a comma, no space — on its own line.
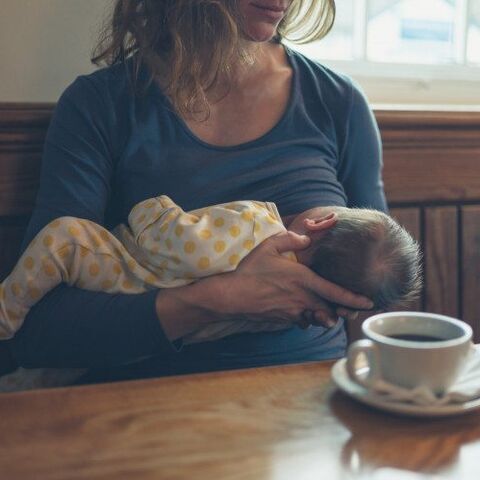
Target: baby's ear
(320,224)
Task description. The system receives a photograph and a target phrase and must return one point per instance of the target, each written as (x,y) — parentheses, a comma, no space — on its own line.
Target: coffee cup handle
(368,348)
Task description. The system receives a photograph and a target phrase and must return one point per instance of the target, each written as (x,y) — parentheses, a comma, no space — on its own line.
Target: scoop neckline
(250,143)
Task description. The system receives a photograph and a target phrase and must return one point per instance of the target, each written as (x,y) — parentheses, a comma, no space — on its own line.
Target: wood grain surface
(268,423)
(471,267)
(430,156)
(22,134)
(442,260)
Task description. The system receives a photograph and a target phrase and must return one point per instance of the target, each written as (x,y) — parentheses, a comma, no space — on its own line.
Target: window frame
(438,81)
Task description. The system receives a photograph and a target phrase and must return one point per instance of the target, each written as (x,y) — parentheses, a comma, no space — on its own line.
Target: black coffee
(411,337)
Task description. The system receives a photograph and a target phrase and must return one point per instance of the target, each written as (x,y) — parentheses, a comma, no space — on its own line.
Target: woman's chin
(261,33)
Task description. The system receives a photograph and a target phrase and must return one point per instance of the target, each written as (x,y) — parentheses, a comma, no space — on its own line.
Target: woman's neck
(260,58)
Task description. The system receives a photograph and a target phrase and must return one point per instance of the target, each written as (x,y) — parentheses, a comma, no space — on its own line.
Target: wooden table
(269,423)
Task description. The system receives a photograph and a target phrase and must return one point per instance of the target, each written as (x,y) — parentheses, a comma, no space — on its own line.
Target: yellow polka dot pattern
(205,234)
(34,293)
(106,284)
(151,279)
(49,269)
(96,241)
(271,219)
(48,241)
(234,231)
(29,263)
(247,215)
(220,246)
(189,247)
(55,223)
(12,315)
(234,260)
(74,231)
(203,263)
(64,251)
(248,244)
(94,269)
(15,288)
(219,222)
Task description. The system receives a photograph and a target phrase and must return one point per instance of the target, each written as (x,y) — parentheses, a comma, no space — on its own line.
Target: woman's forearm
(71,327)
(184,310)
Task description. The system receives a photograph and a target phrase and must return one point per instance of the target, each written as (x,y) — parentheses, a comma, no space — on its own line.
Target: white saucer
(356,391)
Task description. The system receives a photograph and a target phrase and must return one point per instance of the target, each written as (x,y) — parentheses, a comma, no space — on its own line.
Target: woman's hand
(269,286)
(266,286)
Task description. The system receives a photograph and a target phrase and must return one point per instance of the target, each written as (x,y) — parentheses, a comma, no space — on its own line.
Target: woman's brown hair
(197,39)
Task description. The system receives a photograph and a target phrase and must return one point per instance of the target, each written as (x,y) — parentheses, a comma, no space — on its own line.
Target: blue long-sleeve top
(108,149)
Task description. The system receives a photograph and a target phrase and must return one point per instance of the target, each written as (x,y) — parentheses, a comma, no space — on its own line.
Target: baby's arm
(201,242)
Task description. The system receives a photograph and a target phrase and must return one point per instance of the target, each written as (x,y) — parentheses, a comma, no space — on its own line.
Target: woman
(203,103)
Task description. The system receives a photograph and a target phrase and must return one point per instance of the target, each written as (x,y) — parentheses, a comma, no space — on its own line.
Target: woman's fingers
(348,314)
(271,287)
(336,294)
(322,318)
(325,318)
(287,242)
(306,320)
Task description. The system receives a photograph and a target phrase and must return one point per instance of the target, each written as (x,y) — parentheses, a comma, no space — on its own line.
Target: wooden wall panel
(19,176)
(22,135)
(410,219)
(441,260)
(471,267)
(431,175)
(430,156)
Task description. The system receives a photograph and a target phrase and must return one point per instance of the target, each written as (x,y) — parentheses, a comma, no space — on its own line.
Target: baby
(163,247)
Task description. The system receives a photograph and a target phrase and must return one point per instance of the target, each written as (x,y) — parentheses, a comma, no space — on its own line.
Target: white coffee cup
(432,361)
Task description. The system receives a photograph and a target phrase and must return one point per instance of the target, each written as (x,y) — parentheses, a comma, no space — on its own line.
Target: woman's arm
(360,169)
(71,327)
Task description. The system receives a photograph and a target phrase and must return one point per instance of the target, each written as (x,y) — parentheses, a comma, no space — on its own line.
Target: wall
(44,45)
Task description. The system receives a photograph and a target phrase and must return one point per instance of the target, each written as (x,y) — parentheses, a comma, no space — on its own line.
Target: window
(416,41)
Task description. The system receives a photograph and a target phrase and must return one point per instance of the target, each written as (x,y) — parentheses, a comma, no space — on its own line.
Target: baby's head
(364,251)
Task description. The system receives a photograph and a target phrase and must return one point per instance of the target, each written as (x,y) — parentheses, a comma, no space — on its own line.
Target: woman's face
(261,17)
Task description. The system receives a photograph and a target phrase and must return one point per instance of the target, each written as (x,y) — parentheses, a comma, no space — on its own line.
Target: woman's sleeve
(71,327)
(360,170)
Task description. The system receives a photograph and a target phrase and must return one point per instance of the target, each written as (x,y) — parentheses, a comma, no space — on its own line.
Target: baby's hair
(371,254)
